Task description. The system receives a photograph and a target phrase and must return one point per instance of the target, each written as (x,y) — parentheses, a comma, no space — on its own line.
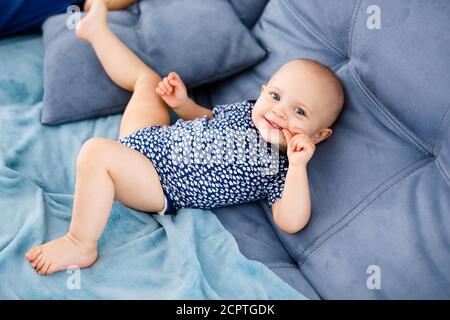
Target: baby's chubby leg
(106,171)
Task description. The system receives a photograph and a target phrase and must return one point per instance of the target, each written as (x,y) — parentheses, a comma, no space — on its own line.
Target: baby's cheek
(303,128)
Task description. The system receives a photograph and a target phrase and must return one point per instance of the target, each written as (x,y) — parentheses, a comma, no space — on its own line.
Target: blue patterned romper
(213,162)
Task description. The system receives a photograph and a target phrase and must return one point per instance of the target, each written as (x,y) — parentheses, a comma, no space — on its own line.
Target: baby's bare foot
(95,20)
(62,253)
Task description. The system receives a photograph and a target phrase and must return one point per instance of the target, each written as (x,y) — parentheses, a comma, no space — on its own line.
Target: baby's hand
(172,90)
(300,148)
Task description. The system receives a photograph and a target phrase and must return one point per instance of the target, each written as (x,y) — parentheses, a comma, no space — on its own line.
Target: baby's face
(300,98)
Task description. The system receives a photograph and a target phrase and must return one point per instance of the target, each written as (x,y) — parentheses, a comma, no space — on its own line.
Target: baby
(142,170)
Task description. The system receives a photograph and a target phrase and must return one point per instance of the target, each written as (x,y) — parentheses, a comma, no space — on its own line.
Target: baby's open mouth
(272,125)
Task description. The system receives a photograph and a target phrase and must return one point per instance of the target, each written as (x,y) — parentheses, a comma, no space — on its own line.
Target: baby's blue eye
(275,96)
(299,111)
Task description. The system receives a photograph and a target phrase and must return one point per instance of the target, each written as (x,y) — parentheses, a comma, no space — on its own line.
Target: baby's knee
(148,80)
(92,153)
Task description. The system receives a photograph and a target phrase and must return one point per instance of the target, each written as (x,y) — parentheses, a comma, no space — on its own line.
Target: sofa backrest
(380,187)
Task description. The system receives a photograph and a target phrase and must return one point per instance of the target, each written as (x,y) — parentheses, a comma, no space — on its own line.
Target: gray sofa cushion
(380,186)
(202,42)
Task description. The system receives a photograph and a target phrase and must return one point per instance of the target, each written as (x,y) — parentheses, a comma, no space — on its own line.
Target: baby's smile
(272,125)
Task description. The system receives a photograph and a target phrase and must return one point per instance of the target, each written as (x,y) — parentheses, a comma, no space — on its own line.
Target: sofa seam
(443,173)
(313,31)
(401,128)
(402,174)
(351,31)
(336,67)
(438,144)
(262,242)
(438,133)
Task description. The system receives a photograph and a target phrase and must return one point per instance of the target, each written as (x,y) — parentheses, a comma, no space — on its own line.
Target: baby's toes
(36,261)
(44,268)
(32,254)
(50,269)
(40,265)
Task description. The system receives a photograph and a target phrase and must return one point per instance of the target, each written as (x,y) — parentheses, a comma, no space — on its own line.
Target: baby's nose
(279,112)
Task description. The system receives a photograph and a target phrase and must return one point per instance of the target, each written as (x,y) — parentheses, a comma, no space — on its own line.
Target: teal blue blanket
(141,256)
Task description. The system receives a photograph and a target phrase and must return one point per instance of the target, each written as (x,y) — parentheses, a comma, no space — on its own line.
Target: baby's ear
(263,87)
(322,135)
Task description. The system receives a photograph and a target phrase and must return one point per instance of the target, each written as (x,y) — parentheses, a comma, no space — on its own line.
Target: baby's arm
(173,91)
(292,212)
